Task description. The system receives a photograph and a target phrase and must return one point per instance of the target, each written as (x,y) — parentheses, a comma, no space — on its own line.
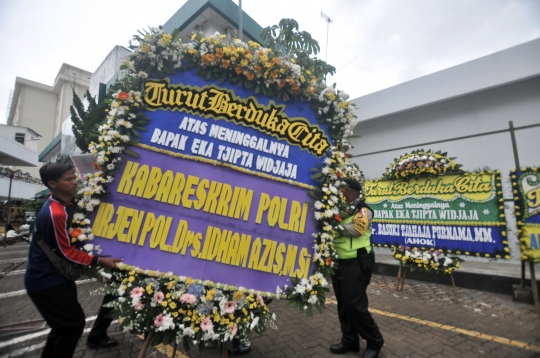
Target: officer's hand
(108,262)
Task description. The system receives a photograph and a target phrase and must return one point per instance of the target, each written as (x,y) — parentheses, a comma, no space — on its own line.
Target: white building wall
(108,68)
(481,112)
(35,109)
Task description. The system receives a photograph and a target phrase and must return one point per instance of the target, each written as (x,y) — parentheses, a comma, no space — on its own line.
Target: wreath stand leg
(174,348)
(534,286)
(224,351)
(454,286)
(401,277)
(146,344)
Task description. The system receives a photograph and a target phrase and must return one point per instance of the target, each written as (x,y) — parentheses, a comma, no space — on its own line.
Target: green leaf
(169,337)
(136,133)
(222,78)
(131,153)
(114,314)
(157,338)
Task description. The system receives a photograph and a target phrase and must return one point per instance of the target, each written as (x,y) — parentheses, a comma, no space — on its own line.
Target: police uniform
(355,266)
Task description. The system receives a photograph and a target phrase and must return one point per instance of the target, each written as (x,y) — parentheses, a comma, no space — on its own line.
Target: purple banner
(206,221)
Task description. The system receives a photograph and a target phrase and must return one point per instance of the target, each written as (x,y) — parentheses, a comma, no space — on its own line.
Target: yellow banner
(474,187)
(530,243)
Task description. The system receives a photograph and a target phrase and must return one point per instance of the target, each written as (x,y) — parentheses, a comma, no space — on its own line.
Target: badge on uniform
(361,221)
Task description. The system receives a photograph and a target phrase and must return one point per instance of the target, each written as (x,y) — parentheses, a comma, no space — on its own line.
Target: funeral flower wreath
(190,310)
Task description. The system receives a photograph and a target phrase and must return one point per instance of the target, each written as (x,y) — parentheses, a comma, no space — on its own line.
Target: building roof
(195,13)
(55,142)
(514,64)
(20,82)
(15,153)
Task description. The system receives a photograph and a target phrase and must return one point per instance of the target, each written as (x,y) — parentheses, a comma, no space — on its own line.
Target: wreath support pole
(534,286)
(454,286)
(401,277)
(146,344)
(174,348)
(224,351)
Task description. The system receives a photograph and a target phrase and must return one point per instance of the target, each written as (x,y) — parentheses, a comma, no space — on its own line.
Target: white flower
(312,300)
(88,247)
(254,323)
(188,331)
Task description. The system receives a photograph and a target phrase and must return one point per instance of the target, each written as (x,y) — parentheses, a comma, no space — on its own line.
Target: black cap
(353,184)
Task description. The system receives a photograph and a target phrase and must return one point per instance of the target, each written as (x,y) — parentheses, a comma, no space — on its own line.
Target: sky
(374,44)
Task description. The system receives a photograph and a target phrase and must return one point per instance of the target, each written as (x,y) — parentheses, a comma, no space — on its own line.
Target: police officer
(355,266)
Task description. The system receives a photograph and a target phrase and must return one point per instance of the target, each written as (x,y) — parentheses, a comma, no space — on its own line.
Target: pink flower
(234,329)
(136,292)
(159,320)
(159,297)
(261,301)
(139,306)
(206,324)
(188,298)
(229,307)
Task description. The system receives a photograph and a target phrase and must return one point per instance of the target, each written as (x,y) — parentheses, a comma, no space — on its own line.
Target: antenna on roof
(328,22)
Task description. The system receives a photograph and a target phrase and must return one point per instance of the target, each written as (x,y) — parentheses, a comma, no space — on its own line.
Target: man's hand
(108,262)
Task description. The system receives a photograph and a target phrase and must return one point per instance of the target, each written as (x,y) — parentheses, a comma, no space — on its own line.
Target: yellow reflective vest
(346,246)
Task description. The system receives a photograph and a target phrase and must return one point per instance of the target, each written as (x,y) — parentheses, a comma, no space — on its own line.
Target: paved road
(421,321)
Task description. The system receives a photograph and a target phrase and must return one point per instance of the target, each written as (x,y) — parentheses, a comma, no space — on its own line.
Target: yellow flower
(145,48)
(194,36)
(131,279)
(166,39)
(331,96)
(238,295)
(172,305)
(203,39)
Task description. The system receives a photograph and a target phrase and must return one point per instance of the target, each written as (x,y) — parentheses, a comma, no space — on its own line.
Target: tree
(297,44)
(86,121)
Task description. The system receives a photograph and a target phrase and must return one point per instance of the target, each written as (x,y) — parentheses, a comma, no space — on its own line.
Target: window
(19,137)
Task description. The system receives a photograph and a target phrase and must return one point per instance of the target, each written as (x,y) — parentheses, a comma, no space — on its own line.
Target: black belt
(345,262)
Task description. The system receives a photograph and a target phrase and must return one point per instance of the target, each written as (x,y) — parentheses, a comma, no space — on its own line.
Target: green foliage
(33,205)
(300,44)
(86,121)
(286,36)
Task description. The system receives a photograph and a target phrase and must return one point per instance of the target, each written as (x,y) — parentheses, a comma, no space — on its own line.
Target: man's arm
(59,219)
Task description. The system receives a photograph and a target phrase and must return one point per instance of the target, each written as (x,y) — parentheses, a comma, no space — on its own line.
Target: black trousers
(350,282)
(102,323)
(61,310)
